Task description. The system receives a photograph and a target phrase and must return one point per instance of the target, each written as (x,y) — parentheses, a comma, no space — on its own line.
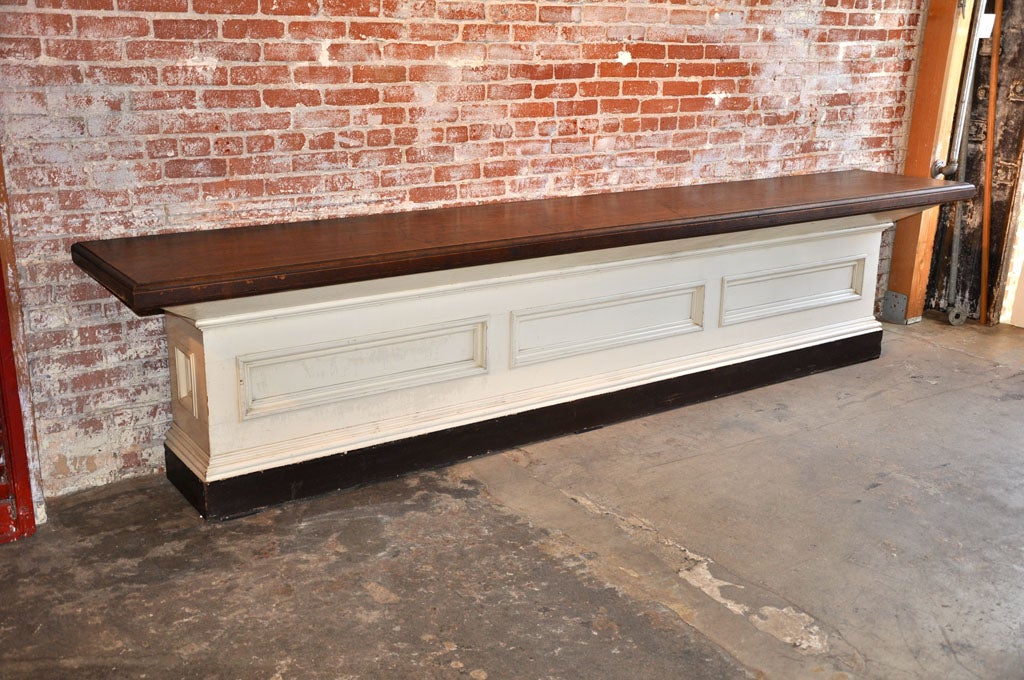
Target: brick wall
(138,116)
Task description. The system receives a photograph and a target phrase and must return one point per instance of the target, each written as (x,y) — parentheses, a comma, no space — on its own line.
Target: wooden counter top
(149,273)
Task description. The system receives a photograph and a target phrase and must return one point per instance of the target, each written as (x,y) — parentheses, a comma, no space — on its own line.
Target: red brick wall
(136,116)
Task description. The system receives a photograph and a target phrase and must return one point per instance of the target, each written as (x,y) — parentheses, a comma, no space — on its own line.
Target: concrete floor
(863,523)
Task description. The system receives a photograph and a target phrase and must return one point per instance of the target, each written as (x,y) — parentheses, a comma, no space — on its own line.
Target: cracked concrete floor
(863,523)
(867,521)
(415,578)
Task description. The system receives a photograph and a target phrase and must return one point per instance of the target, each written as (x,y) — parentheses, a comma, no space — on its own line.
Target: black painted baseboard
(245,494)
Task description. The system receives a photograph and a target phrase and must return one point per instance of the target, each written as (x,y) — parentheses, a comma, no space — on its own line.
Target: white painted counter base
(278,379)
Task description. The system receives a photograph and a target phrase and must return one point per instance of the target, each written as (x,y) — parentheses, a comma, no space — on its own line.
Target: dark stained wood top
(149,273)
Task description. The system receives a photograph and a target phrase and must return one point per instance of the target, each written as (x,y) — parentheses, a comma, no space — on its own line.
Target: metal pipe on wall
(954,156)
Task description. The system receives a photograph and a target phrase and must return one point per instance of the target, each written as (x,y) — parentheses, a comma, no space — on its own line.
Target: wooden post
(931,126)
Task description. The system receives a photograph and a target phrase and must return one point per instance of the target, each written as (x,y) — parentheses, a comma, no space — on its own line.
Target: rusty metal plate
(976,131)
(1016,93)
(1004,173)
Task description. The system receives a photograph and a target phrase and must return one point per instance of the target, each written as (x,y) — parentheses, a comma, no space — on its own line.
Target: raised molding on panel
(184,382)
(774,292)
(442,417)
(581,326)
(296,378)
